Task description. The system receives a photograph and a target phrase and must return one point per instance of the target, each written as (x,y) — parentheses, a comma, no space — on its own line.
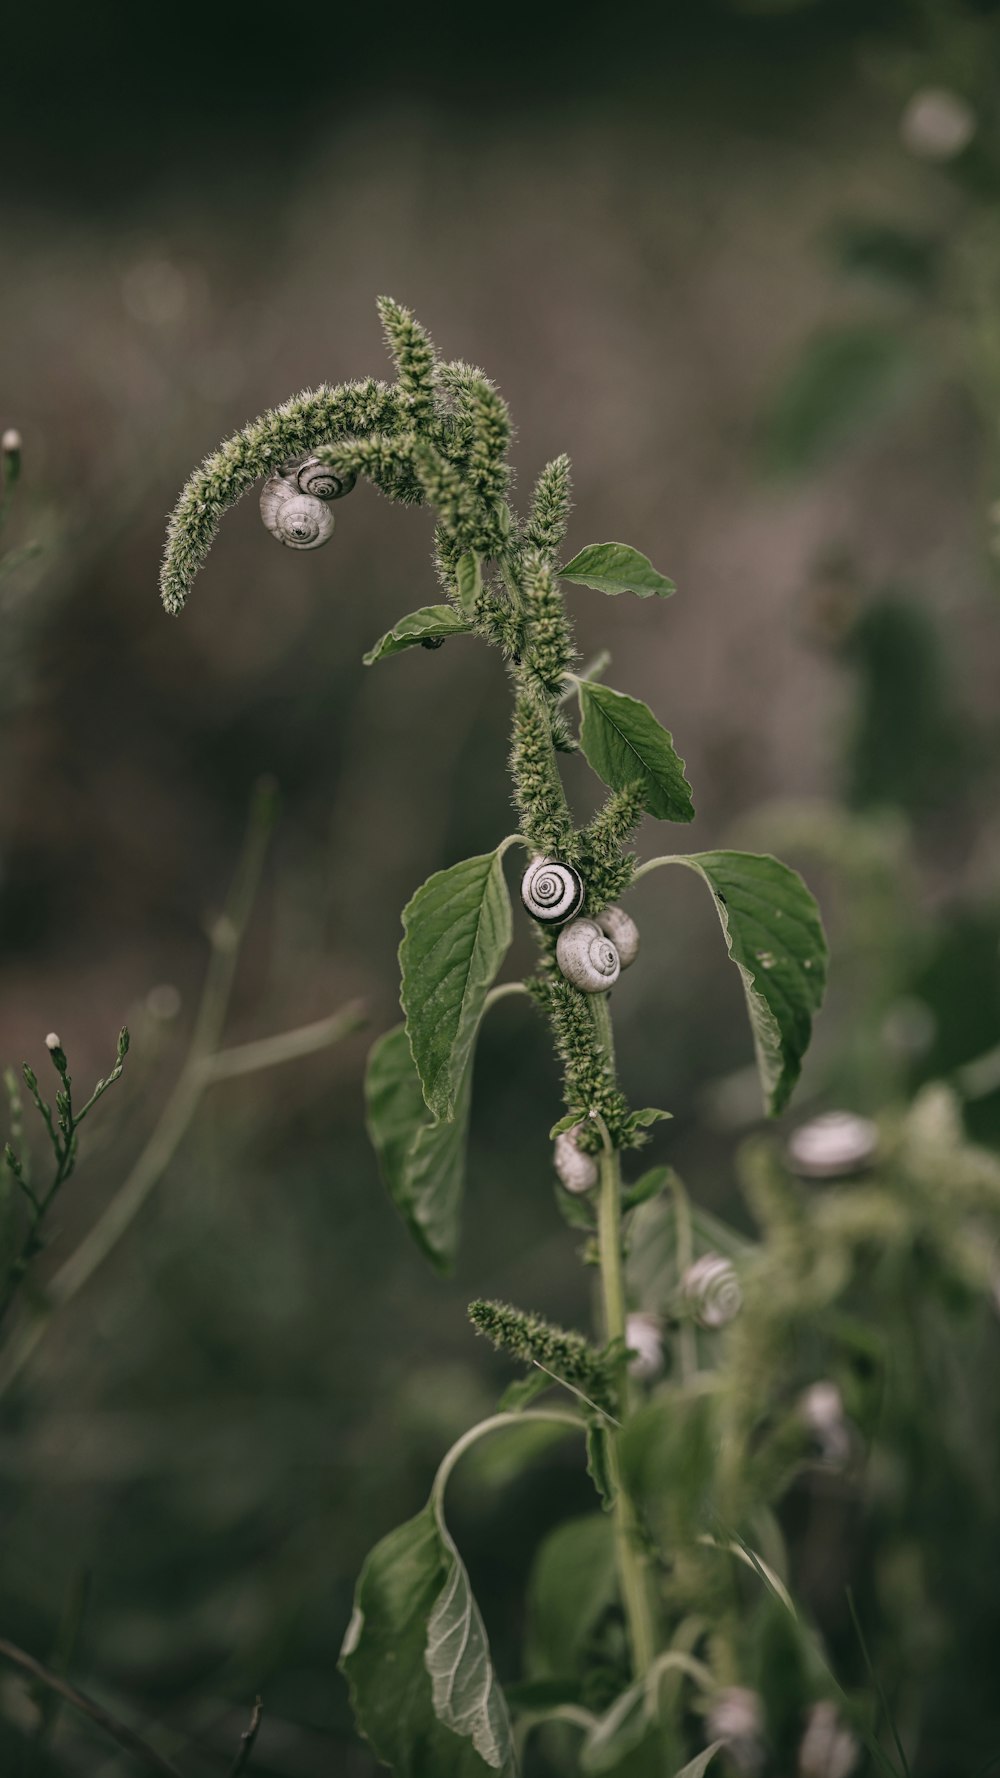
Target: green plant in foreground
(416,1655)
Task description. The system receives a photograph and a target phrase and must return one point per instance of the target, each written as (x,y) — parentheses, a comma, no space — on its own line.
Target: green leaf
(523,1391)
(469,581)
(422,1159)
(619,1731)
(428,626)
(466,1695)
(844,379)
(615,568)
(599,1463)
(573,1582)
(649,1186)
(624,743)
(417,1663)
(697,1767)
(644,1119)
(775,937)
(457,930)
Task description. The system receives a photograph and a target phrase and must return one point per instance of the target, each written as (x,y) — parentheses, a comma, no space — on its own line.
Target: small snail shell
(838,1143)
(300,521)
(736,1717)
(828,1748)
(551,891)
(644,1339)
(623,932)
(712,1291)
(577,1171)
(323,482)
(821,1410)
(587,958)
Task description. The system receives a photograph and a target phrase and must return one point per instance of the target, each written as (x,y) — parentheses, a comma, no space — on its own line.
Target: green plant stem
(628,1554)
(687,1339)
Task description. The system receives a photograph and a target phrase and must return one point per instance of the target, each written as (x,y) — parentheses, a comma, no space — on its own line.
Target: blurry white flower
(828,1750)
(835,1144)
(937,124)
(52,1042)
(644,1338)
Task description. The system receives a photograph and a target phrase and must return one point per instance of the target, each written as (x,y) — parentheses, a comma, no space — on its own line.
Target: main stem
(628,1553)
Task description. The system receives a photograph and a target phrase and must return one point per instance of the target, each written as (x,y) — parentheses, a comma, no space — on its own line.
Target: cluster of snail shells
(590,953)
(295,503)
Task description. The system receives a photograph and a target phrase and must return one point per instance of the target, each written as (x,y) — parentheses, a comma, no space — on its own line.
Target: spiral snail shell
(644,1339)
(623,932)
(712,1291)
(323,482)
(551,891)
(578,1172)
(299,521)
(587,958)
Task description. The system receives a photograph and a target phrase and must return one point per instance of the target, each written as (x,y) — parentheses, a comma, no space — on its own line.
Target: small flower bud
(644,1339)
(828,1750)
(52,1042)
(10,443)
(123,1043)
(712,1291)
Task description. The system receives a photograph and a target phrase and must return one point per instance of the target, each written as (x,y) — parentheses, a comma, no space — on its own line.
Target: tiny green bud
(123,1043)
(30,1077)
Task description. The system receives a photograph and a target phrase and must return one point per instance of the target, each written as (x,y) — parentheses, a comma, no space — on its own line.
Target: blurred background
(742,262)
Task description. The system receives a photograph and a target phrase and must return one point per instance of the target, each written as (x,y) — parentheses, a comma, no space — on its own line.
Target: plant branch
(119,1731)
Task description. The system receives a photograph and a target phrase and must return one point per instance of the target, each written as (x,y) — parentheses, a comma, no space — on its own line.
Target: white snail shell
(821,1410)
(577,1171)
(712,1291)
(838,1143)
(323,482)
(551,891)
(587,958)
(644,1339)
(299,521)
(736,1716)
(828,1748)
(623,932)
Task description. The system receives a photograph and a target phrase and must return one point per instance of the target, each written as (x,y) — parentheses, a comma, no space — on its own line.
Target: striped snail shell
(587,958)
(299,521)
(712,1291)
(551,891)
(577,1171)
(323,482)
(623,932)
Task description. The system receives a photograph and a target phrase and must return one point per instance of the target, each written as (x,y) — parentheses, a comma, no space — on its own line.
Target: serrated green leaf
(430,625)
(448,1718)
(469,581)
(457,931)
(844,379)
(422,1158)
(616,568)
(624,743)
(775,937)
(573,1582)
(645,1119)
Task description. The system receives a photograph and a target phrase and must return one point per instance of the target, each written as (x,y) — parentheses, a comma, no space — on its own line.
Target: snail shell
(551,891)
(300,521)
(828,1748)
(623,932)
(712,1291)
(644,1339)
(838,1143)
(577,1171)
(323,482)
(587,958)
